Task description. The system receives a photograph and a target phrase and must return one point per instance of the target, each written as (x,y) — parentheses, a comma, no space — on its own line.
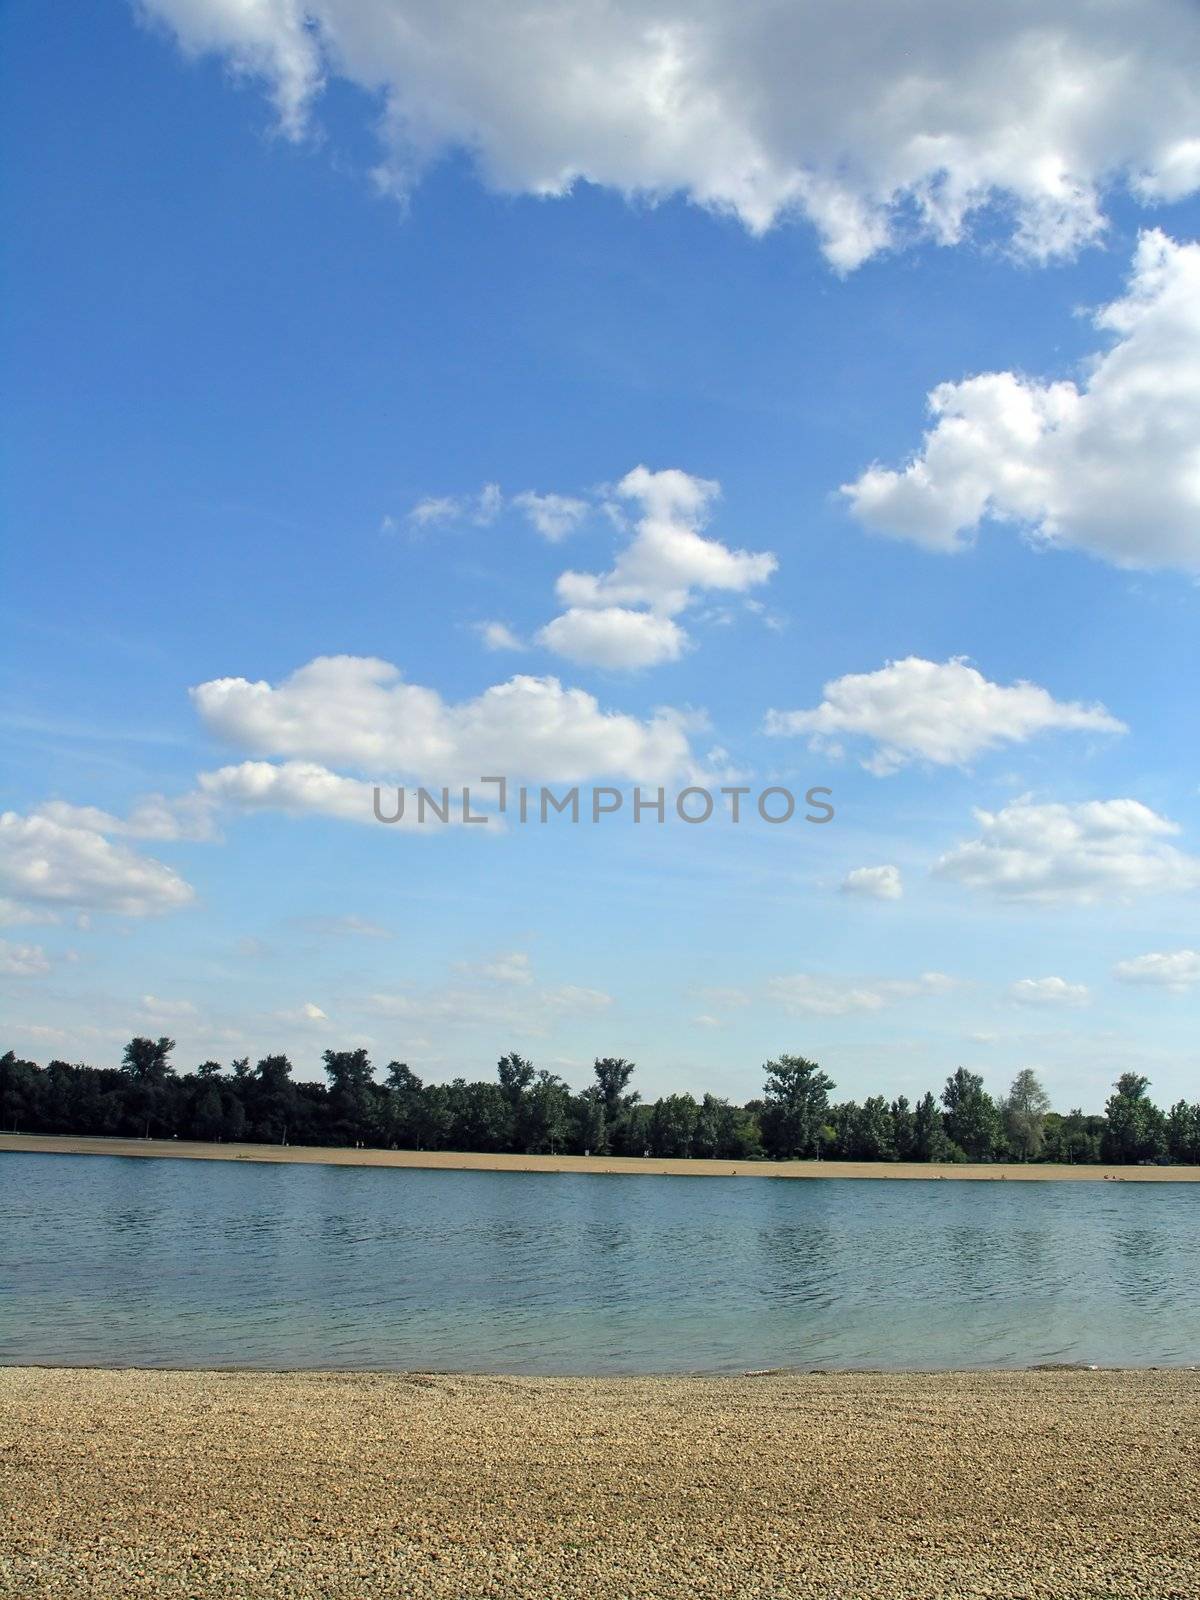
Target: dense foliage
(529,1110)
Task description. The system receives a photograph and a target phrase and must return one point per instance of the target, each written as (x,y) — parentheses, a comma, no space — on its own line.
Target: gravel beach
(349,1486)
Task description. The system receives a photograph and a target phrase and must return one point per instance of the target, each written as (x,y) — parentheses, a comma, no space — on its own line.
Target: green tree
(404,1118)
(1183,1133)
(272,1105)
(903,1129)
(673,1125)
(1024,1110)
(1075,1139)
(592,1122)
(352,1101)
(516,1076)
(208,1113)
(972,1121)
(726,1132)
(20,1083)
(929,1141)
(1136,1127)
(548,1114)
(875,1133)
(147,1062)
(796,1098)
(612,1081)
(481,1118)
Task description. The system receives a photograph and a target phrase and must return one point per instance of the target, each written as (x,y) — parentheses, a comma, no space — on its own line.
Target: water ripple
(174,1263)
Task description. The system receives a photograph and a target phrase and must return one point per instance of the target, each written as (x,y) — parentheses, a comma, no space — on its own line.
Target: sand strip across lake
(650,1166)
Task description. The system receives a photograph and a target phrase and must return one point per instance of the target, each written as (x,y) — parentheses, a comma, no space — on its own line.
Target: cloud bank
(874,122)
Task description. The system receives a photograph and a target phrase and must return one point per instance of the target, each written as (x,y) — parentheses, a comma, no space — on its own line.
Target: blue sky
(238,369)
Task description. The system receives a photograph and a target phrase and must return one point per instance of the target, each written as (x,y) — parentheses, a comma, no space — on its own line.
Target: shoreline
(627,1166)
(213,1486)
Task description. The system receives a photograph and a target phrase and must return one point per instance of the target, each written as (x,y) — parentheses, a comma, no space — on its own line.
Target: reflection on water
(179,1263)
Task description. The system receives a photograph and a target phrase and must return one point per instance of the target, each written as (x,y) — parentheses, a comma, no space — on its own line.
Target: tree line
(525,1109)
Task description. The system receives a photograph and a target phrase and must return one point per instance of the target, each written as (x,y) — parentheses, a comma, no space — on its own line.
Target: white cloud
(358,711)
(500,993)
(22,960)
(668,557)
(661,570)
(804,994)
(945,712)
(481,509)
(1048,992)
(726,998)
(1173,969)
(14,914)
(553,515)
(155,816)
(1110,466)
(614,637)
(871,120)
(352,926)
(307,1015)
(160,1010)
(515,967)
(52,865)
(623,619)
(1076,854)
(499,636)
(875,883)
(299,787)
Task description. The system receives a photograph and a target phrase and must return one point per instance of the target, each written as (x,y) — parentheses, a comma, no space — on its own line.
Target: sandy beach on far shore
(140,1485)
(650,1166)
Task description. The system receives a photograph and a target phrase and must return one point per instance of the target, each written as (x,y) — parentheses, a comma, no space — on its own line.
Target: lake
(112,1261)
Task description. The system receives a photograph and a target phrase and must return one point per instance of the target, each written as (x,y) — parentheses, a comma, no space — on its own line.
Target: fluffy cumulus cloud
(615,637)
(874,883)
(804,994)
(1109,465)
(622,619)
(49,865)
(1079,854)
(869,119)
(1168,969)
(301,788)
(1048,992)
(358,712)
(668,559)
(943,712)
(625,618)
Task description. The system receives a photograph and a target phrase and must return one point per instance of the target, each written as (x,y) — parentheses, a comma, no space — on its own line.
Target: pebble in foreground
(250,1486)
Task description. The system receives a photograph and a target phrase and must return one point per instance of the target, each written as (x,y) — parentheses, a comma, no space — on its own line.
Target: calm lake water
(114,1261)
